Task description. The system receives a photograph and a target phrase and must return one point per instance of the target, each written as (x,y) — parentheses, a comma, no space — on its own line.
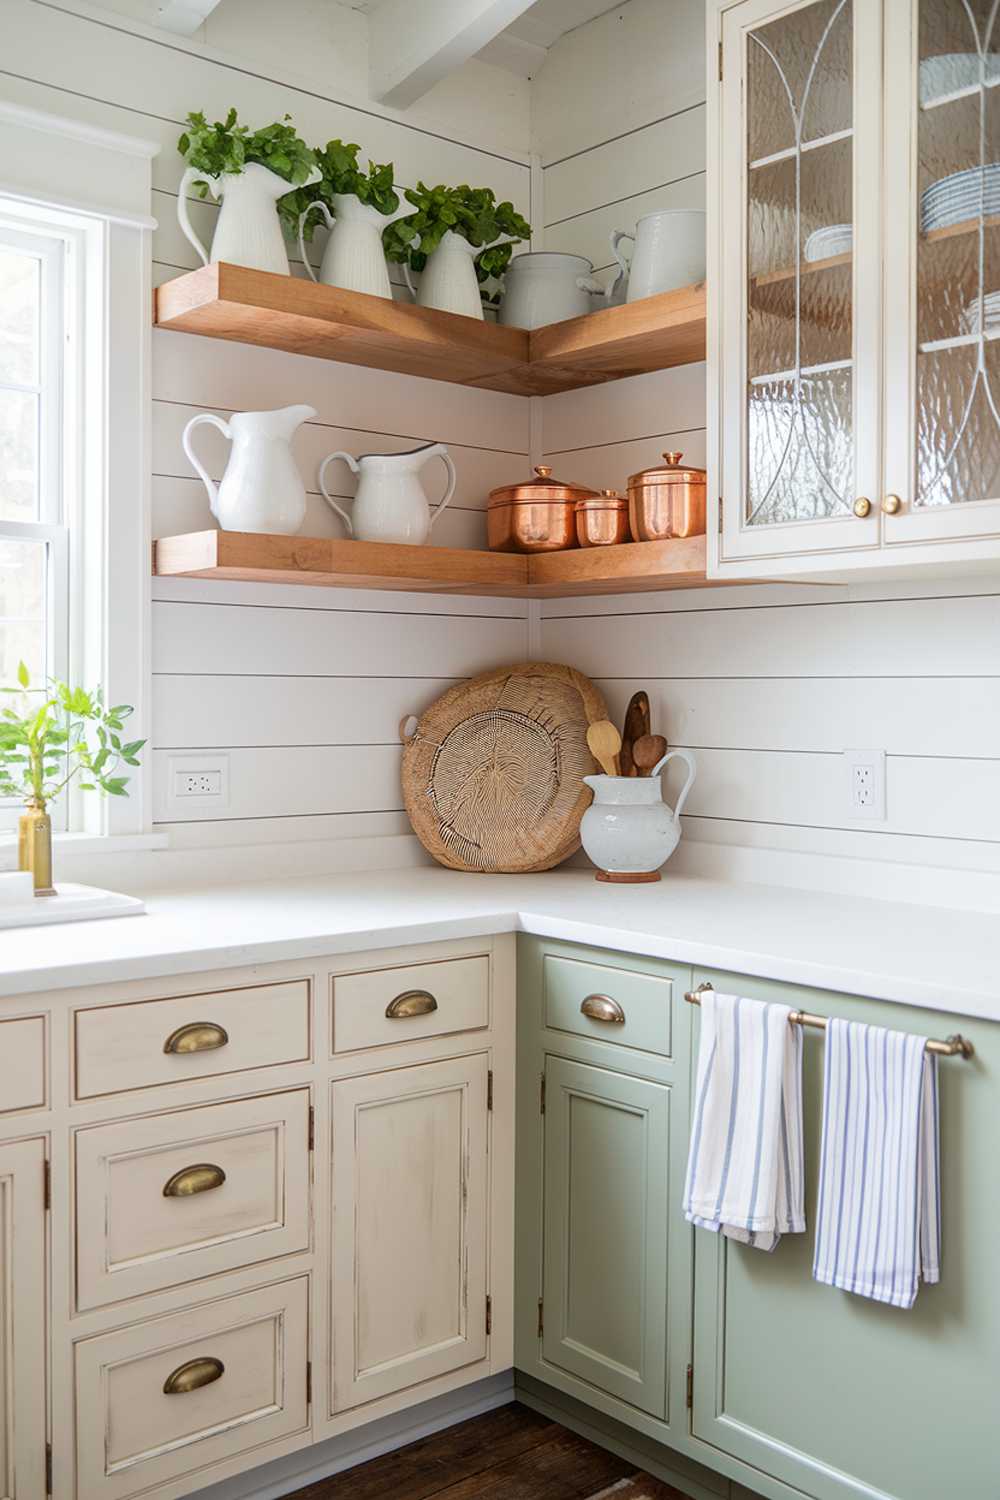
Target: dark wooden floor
(508,1454)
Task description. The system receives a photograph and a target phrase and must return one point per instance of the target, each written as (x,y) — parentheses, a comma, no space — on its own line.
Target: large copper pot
(667,501)
(537,516)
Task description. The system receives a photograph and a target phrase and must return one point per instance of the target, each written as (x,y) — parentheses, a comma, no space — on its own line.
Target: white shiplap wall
(300,689)
(768,685)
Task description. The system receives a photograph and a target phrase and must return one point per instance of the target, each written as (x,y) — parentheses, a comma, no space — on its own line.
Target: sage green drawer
(607,1003)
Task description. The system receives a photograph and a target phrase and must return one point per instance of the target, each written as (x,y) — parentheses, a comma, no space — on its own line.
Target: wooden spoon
(605,742)
(647,750)
(635,726)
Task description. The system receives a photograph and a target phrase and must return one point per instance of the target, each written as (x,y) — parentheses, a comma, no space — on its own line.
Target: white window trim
(94,186)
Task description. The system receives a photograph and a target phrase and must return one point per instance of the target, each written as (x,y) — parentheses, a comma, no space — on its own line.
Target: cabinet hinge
(489,1089)
(542,1096)
(312,1127)
(690,1387)
(720,515)
(720,62)
(489,1314)
(48,1468)
(47,1184)
(309,1382)
(541,1317)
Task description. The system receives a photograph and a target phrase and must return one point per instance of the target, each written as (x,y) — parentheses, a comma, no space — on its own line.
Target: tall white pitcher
(353,257)
(248,231)
(262,489)
(448,281)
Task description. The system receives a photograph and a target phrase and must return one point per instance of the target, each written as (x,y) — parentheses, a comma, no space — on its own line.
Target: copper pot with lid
(667,501)
(536,516)
(602,521)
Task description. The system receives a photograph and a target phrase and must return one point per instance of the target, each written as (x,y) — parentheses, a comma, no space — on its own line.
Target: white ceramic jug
(353,257)
(261,489)
(546,286)
(628,831)
(248,231)
(390,505)
(448,281)
(669,251)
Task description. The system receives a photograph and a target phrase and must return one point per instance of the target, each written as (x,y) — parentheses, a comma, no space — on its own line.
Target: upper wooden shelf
(248,557)
(286,312)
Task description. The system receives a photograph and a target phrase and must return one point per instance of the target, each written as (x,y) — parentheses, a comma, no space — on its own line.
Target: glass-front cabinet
(854,327)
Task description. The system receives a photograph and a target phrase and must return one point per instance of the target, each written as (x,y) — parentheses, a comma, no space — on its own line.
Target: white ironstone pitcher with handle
(628,831)
(449,281)
(390,505)
(262,489)
(248,231)
(354,257)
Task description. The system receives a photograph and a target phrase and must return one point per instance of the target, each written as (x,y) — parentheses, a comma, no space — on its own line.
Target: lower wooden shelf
(249,557)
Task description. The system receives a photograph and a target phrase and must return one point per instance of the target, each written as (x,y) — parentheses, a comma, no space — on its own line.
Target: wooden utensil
(605,742)
(646,751)
(635,726)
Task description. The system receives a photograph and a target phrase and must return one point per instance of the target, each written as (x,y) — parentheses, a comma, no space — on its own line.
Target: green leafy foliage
(341,174)
(52,733)
(228,146)
(474,213)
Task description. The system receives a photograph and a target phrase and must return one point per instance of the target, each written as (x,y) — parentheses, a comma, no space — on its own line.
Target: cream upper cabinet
(852,420)
(22,1320)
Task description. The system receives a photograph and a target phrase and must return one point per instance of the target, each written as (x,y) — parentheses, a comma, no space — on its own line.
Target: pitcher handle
(195,461)
(617,235)
(689,783)
(191,174)
(303,216)
(446,459)
(355,468)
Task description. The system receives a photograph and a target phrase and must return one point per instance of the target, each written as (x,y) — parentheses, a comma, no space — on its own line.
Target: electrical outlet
(197,783)
(866,784)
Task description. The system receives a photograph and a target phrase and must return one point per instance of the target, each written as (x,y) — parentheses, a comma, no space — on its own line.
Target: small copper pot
(602,522)
(537,516)
(667,502)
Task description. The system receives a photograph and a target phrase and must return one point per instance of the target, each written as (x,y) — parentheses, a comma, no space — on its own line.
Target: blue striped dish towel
(878,1229)
(745,1174)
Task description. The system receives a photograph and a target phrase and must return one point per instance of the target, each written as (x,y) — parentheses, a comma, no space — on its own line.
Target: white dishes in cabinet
(168,1198)
(960,197)
(383,1006)
(832,239)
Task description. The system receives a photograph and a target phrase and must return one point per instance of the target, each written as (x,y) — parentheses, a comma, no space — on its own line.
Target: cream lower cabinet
(22,1320)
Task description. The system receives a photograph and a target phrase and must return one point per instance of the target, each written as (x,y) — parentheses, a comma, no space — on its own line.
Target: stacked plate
(951,72)
(833,239)
(969,321)
(961,196)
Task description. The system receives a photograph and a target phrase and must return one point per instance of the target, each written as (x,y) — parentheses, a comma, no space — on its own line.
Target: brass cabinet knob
(197,1036)
(411,1003)
(891,504)
(193,1375)
(862,507)
(190,1180)
(602,1008)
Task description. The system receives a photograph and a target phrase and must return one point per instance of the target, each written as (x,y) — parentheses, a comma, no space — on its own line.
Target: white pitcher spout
(276,187)
(288,418)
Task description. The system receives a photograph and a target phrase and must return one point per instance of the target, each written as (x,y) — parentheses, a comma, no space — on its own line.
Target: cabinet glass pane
(800,155)
(958,255)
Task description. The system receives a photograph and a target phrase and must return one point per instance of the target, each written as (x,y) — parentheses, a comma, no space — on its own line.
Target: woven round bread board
(493,773)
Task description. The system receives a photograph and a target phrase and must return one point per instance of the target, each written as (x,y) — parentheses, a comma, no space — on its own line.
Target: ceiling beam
(183,17)
(413,46)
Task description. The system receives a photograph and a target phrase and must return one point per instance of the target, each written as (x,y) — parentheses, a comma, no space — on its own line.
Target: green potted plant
(457,237)
(53,734)
(251,171)
(357,205)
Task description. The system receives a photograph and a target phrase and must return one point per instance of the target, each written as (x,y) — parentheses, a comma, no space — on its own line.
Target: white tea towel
(878,1229)
(745,1173)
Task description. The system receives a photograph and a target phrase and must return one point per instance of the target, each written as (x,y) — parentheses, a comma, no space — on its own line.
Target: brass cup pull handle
(602,1008)
(197,1036)
(411,1003)
(191,1180)
(192,1376)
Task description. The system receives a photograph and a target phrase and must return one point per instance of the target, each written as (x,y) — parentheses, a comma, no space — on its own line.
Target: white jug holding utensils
(628,831)
(390,504)
(262,489)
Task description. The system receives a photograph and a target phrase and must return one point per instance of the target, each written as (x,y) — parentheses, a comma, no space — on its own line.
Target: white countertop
(943,959)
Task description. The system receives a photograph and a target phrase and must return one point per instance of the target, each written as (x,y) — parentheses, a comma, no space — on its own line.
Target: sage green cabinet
(832,1394)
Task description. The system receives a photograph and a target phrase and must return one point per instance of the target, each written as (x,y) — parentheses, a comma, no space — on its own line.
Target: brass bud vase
(34,847)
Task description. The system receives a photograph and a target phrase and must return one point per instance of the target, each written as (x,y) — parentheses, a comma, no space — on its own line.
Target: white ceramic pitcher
(390,505)
(248,231)
(669,251)
(261,489)
(448,281)
(628,831)
(353,257)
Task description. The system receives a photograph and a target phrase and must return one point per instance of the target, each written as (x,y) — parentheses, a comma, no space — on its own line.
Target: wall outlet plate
(865,783)
(196,784)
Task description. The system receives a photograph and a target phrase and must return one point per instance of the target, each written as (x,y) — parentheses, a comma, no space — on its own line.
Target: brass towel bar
(955,1046)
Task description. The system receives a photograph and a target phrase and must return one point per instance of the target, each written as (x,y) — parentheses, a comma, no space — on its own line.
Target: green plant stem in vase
(472,213)
(51,735)
(340,174)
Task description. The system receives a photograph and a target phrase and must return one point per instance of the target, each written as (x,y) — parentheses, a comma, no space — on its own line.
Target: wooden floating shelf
(301,317)
(246,557)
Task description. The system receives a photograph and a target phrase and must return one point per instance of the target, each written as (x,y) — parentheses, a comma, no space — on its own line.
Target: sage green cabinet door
(836,1395)
(607,1140)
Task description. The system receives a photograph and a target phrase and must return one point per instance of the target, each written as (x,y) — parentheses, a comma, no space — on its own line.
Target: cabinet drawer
(608,1003)
(172,1197)
(151,1042)
(404,1004)
(22,1063)
(133,1435)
